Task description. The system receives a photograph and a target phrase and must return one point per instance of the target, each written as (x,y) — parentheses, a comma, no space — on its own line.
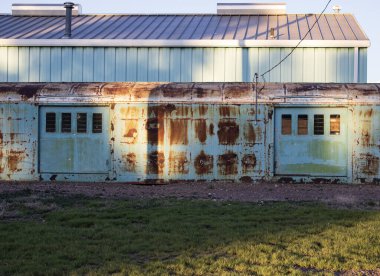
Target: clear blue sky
(366,11)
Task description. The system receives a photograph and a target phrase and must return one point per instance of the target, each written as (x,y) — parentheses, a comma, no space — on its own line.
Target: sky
(366,11)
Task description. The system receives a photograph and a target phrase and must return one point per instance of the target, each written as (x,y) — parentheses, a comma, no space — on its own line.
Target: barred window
(81,122)
(66,123)
(97,123)
(50,122)
(286,124)
(319,124)
(302,124)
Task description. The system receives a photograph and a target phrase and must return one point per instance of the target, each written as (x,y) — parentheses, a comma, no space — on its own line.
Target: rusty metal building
(184,114)
(230,46)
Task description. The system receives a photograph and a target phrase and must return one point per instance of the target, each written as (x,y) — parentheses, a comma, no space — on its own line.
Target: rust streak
(130,161)
(228,132)
(371,164)
(248,163)
(178,132)
(14,159)
(178,163)
(204,163)
(156,163)
(249,133)
(228,163)
(201,130)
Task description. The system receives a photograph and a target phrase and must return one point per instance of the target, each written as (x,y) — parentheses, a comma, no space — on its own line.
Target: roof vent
(252,8)
(43,10)
(337,8)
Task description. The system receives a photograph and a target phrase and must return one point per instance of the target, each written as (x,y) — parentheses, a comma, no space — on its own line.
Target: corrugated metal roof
(338,27)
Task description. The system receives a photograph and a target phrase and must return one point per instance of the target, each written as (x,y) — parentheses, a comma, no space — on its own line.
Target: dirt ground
(366,196)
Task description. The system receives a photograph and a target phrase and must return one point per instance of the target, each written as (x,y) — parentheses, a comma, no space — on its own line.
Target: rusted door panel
(367,143)
(18,141)
(310,148)
(74,145)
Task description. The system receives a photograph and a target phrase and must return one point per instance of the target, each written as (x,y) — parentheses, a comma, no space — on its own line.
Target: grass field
(52,234)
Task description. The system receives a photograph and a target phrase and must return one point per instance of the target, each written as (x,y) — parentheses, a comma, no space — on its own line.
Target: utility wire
(299,43)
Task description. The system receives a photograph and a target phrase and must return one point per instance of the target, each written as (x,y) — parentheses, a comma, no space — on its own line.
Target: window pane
(50,122)
(81,122)
(335,124)
(66,122)
(319,122)
(286,125)
(302,125)
(97,123)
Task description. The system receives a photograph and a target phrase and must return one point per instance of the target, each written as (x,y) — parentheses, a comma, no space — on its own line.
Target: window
(81,122)
(286,124)
(302,125)
(50,122)
(335,124)
(66,123)
(97,123)
(319,122)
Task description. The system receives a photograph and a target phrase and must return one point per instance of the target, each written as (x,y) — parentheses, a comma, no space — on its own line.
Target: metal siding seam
(153,30)
(153,64)
(175,65)
(125,22)
(110,64)
(197,65)
(186,64)
(309,63)
(208,64)
(87,30)
(88,64)
(230,65)
(131,64)
(164,65)
(121,60)
(239,72)
(142,64)
(219,56)
(99,64)
(56,64)
(67,64)
(9,30)
(356,65)
(286,66)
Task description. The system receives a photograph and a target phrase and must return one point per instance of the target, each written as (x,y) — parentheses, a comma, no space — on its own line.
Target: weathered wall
(89,64)
(188,131)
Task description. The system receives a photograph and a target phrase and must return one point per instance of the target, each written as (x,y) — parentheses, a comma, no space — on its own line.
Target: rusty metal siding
(366,153)
(82,64)
(18,141)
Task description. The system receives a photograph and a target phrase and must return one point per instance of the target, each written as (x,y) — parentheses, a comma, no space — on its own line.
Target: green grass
(50,234)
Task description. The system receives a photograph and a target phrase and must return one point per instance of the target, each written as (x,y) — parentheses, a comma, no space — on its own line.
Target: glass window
(302,125)
(50,122)
(335,124)
(97,123)
(81,122)
(66,122)
(319,123)
(286,124)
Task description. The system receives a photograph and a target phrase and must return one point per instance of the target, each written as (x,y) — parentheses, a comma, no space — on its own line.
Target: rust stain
(29,91)
(229,111)
(204,163)
(14,159)
(203,109)
(366,139)
(130,112)
(201,130)
(1,137)
(249,133)
(130,161)
(211,129)
(178,163)
(1,161)
(228,163)
(156,163)
(155,130)
(178,132)
(371,164)
(130,131)
(228,132)
(368,113)
(13,135)
(248,163)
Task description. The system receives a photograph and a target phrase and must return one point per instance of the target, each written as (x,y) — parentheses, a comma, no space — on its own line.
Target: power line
(299,43)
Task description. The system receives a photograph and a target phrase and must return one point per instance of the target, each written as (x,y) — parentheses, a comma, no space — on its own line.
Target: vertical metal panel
(331,65)
(244,74)
(23,64)
(34,59)
(99,64)
(4,64)
(208,64)
(308,64)
(230,64)
(88,64)
(274,59)
(297,65)
(363,65)
(253,57)
(342,65)
(142,64)
(78,71)
(264,61)
(56,64)
(154,64)
(131,64)
(219,63)
(175,64)
(197,65)
(164,64)
(239,65)
(18,141)
(121,64)
(286,65)
(46,64)
(351,65)
(13,64)
(110,64)
(67,64)
(320,65)
(186,64)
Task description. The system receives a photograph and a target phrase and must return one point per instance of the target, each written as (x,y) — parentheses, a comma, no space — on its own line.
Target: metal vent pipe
(69,13)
